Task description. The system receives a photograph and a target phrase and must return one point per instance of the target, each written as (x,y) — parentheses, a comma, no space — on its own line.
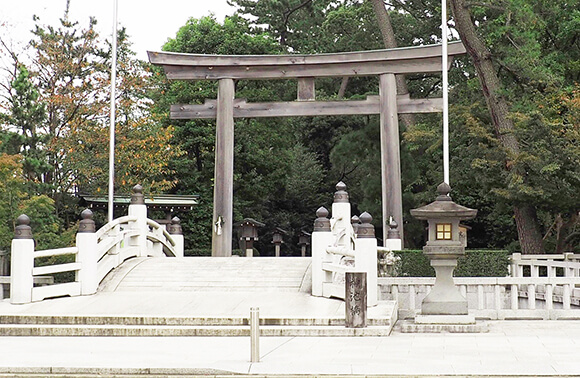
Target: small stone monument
(250,234)
(278,239)
(355,300)
(304,242)
(444,304)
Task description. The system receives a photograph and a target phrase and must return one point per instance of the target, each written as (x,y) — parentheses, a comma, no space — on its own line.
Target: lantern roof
(278,230)
(443,207)
(253,222)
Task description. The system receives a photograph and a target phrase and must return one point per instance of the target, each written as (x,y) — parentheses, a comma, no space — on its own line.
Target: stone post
(22,262)
(3,270)
(176,233)
(321,239)
(340,221)
(394,242)
(514,267)
(138,209)
(86,242)
(4,263)
(366,256)
(355,306)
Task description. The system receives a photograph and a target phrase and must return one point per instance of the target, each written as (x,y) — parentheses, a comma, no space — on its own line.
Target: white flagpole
(112,124)
(445,90)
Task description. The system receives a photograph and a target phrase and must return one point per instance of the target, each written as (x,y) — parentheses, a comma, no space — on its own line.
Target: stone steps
(44,320)
(46,325)
(196,296)
(149,331)
(379,323)
(212,274)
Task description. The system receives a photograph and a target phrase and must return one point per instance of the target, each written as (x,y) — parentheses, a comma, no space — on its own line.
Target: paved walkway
(521,348)
(510,348)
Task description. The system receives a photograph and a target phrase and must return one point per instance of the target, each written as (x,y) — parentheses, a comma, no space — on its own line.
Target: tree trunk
(527,224)
(343,85)
(384,22)
(565,232)
(528,229)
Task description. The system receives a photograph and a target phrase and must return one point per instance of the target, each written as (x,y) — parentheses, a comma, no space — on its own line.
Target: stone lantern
(250,234)
(443,248)
(277,239)
(304,241)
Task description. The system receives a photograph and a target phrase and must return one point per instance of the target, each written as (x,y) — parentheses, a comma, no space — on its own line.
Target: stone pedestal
(355,299)
(444,298)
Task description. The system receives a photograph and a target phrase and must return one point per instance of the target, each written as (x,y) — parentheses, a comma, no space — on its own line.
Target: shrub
(475,263)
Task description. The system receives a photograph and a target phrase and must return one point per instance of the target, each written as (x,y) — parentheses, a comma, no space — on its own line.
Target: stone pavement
(510,348)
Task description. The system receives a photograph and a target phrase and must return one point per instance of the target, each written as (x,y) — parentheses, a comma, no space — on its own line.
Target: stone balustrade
(493,297)
(548,265)
(343,244)
(95,254)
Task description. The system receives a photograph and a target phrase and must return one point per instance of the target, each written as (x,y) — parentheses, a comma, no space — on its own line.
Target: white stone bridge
(131,279)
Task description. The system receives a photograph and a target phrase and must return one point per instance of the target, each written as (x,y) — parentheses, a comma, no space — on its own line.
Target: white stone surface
(519,348)
(445,319)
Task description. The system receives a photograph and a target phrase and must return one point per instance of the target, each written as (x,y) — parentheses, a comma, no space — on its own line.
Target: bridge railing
(95,254)
(549,265)
(343,244)
(493,297)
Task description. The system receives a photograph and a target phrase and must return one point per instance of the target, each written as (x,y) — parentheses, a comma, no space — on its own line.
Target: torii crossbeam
(305,68)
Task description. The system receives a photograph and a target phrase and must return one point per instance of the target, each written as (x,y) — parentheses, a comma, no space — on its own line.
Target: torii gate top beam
(421,59)
(306,68)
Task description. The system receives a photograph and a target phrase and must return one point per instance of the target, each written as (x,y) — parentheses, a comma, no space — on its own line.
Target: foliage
(475,263)
(276,179)
(57,118)
(54,136)
(27,112)
(12,192)
(294,23)
(534,46)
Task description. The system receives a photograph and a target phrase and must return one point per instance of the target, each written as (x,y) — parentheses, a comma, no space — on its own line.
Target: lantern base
(444,298)
(444,307)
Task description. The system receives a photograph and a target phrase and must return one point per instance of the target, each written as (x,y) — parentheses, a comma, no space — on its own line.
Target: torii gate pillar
(223,189)
(305,68)
(392,195)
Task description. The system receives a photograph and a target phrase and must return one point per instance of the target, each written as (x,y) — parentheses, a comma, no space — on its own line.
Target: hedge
(475,263)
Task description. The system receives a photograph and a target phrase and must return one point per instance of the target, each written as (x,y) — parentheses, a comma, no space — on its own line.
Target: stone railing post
(22,262)
(86,242)
(514,267)
(393,242)
(176,233)
(138,209)
(321,239)
(3,270)
(340,221)
(366,256)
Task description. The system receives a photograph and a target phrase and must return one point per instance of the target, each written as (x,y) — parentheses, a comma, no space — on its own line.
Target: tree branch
(485,5)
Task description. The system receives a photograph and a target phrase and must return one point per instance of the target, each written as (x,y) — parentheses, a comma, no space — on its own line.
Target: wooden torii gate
(305,68)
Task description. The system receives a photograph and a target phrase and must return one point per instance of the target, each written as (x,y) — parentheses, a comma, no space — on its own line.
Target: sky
(149,23)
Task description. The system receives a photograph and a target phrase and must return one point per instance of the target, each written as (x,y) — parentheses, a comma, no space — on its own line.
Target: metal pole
(112,121)
(255,334)
(445,90)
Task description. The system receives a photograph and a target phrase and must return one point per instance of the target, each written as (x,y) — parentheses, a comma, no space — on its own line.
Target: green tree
(522,56)
(27,112)
(267,183)
(294,23)
(12,192)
